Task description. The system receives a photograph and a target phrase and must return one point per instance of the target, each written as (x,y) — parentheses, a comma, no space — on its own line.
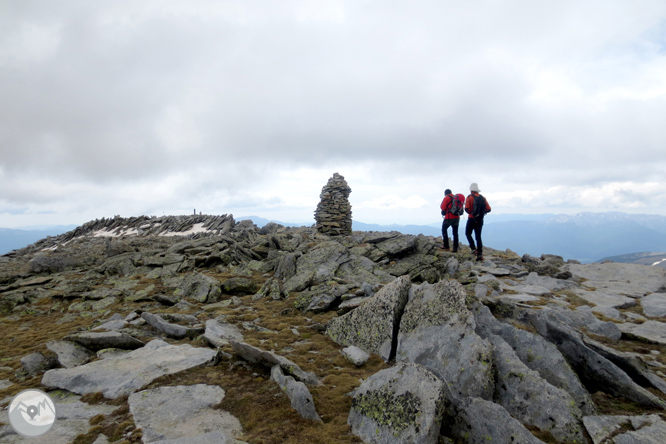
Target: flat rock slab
(625,279)
(651,331)
(125,374)
(646,429)
(654,305)
(182,412)
(521,298)
(536,290)
(605,299)
(72,419)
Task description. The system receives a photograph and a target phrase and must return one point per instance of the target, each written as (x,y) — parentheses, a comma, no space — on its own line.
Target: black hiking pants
(453,223)
(475,225)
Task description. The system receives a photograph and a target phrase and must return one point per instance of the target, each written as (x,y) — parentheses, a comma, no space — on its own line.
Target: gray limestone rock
(171,330)
(397,405)
(583,318)
(299,395)
(479,421)
(548,282)
(631,363)
(437,332)
(355,355)
(98,340)
(650,331)
(654,305)
(374,324)
(631,280)
(646,429)
(239,286)
(273,289)
(595,371)
(36,363)
(270,359)
(531,399)
(539,355)
(199,287)
(70,354)
(219,334)
(181,412)
(123,375)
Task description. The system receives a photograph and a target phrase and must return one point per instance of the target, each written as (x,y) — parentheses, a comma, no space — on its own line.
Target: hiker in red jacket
(452,207)
(476,206)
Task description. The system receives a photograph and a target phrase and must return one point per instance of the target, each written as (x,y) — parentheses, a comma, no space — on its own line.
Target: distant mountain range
(587,237)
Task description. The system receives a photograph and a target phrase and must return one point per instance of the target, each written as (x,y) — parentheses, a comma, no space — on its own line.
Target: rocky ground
(200,329)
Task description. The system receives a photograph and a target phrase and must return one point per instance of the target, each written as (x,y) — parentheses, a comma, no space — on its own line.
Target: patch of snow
(196,228)
(658,262)
(115,233)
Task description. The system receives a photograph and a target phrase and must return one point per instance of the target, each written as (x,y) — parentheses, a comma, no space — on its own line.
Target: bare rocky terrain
(201,329)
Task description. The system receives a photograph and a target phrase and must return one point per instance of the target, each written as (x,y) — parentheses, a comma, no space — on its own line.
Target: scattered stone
(650,331)
(269,359)
(70,354)
(620,429)
(199,287)
(299,395)
(98,340)
(179,412)
(36,363)
(355,355)
(171,330)
(218,334)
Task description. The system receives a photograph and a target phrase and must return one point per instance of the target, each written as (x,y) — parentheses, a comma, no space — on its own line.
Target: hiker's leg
(445,229)
(468,233)
(454,228)
(478,226)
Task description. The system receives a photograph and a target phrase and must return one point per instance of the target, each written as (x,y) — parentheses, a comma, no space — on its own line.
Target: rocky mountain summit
(201,329)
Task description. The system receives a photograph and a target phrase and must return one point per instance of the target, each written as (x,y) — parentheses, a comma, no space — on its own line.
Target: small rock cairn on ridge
(333,214)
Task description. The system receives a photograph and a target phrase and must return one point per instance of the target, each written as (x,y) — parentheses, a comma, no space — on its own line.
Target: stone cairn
(333,214)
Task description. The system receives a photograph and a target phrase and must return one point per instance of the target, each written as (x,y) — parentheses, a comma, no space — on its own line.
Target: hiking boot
(455,250)
(479,258)
(474,251)
(445,248)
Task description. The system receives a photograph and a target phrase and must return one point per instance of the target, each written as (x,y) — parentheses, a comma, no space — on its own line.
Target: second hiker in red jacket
(476,206)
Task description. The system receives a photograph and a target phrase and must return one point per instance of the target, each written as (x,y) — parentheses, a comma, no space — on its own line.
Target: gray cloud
(226,95)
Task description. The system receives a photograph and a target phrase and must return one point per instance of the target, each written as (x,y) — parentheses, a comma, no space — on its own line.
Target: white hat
(474,187)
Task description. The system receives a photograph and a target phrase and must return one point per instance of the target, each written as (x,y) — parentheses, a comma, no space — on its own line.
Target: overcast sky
(248,107)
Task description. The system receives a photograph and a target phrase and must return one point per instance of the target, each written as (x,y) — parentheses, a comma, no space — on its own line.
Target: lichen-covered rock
(621,429)
(199,287)
(437,332)
(333,213)
(397,405)
(374,324)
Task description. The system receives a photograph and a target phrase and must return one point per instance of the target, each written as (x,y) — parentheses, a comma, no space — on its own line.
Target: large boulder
(106,339)
(531,399)
(479,421)
(270,359)
(374,324)
(397,405)
(539,355)
(437,332)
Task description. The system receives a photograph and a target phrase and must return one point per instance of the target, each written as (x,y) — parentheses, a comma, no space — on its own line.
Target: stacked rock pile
(333,214)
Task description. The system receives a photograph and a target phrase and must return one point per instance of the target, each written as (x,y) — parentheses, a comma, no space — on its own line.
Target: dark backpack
(457,204)
(479,208)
